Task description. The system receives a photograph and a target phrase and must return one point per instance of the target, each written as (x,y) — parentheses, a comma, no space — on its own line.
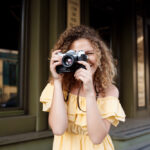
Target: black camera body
(69,61)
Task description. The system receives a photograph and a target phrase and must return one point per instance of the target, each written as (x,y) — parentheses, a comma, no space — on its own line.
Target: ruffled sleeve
(47,96)
(111,109)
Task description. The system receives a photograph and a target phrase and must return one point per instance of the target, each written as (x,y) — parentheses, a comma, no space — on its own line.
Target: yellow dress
(76,136)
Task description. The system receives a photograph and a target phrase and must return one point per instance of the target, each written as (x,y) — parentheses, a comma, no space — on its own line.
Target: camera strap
(78,97)
(69,89)
(78,103)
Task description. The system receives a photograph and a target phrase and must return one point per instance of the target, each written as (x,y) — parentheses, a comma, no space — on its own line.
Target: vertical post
(38,60)
(128,58)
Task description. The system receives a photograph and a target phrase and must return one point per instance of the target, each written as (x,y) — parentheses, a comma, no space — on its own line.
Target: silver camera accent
(70,61)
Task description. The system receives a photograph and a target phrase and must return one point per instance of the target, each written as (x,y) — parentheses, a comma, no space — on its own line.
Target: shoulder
(112,90)
(47,89)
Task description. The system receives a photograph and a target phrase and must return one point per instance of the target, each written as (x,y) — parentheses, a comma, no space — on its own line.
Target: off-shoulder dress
(76,136)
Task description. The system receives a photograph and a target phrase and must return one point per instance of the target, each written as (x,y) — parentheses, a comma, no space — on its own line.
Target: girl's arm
(98,127)
(58,114)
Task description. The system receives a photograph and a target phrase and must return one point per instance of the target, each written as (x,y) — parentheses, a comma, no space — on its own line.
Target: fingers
(55,57)
(81,73)
(56,52)
(81,78)
(87,66)
(55,61)
(53,67)
(84,75)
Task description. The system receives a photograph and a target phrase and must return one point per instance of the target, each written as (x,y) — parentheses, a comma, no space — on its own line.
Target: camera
(69,61)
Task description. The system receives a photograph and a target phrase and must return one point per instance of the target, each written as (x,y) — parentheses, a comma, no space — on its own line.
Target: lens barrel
(68,61)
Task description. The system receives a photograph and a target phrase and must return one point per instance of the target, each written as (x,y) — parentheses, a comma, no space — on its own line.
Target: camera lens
(67,61)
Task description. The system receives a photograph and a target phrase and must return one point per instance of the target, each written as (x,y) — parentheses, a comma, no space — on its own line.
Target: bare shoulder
(112,90)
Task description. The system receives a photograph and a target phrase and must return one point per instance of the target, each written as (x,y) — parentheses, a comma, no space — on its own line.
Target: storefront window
(10,49)
(140,62)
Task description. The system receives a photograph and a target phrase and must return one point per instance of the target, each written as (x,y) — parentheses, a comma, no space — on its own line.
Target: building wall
(45,21)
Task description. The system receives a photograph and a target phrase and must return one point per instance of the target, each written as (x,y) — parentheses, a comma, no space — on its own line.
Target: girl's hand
(85,75)
(55,61)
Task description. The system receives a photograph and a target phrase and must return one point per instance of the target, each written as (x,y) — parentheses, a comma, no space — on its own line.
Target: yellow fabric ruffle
(109,107)
(76,135)
(47,96)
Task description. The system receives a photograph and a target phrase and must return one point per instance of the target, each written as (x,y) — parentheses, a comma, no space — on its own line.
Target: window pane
(10,29)
(140,62)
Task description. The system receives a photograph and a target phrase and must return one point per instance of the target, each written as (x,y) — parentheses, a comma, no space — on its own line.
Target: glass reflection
(11,29)
(8,78)
(140,63)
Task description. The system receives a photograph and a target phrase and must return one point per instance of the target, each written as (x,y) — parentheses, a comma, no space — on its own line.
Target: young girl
(82,105)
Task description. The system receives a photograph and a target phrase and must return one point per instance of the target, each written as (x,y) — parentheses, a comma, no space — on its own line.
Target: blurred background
(28,31)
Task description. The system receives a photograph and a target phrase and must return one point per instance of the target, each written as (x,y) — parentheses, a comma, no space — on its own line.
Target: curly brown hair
(105,73)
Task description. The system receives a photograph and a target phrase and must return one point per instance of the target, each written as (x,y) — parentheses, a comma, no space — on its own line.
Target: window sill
(17,125)
(25,137)
(11,113)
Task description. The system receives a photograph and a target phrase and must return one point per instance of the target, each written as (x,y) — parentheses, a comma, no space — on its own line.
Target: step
(134,134)
(130,129)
